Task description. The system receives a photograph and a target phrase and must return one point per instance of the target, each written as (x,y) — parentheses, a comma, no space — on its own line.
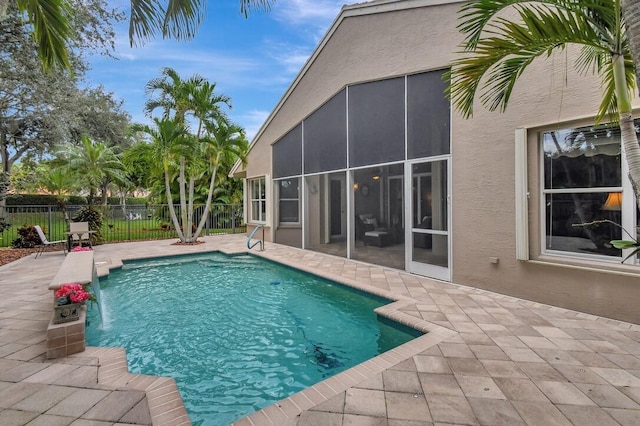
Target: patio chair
(79,232)
(45,243)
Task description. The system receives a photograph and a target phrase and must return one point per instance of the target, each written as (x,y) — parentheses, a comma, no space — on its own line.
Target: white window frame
(523,194)
(260,198)
(297,199)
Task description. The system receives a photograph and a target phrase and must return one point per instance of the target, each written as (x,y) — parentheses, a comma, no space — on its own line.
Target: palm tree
(205,104)
(170,93)
(165,136)
(59,182)
(497,51)
(93,163)
(224,144)
(51,20)
(191,97)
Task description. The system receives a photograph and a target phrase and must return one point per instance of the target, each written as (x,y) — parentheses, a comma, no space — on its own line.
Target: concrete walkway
(487,359)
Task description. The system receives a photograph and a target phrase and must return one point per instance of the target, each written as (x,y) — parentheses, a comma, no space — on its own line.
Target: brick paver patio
(487,359)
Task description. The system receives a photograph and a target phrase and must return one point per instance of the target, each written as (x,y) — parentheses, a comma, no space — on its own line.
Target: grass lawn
(113,230)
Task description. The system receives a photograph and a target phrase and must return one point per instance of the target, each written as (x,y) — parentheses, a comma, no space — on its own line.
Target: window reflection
(583,189)
(584,157)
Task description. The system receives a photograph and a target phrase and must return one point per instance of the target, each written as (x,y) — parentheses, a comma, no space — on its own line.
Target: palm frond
(506,48)
(51,20)
(248,5)
(477,15)
(183,18)
(178,19)
(144,20)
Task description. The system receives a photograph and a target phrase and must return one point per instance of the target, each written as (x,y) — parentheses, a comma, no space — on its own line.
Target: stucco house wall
(372,42)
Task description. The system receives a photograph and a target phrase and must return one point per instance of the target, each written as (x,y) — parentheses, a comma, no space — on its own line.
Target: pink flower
(80,248)
(73,293)
(79,296)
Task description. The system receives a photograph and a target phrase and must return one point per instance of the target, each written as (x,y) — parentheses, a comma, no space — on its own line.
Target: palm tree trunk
(105,197)
(631,151)
(192,181)
(4,170)
(172,211)
(627,128)
(207,206)
(631,11)
(183,202)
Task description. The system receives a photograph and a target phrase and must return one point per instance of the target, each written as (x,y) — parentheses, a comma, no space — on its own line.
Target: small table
(70,235)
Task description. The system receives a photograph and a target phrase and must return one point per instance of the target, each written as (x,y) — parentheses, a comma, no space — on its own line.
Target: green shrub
(71,200)
(94,216)
(28,237)
(4,225)
(43,200)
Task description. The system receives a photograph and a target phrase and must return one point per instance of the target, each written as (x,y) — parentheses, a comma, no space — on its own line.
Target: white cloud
(252,121)
(311,18)
(307,12)
(289,57)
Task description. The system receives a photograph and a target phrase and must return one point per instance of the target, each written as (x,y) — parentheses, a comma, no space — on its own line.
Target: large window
(583,190)
(258,199)
(289,203)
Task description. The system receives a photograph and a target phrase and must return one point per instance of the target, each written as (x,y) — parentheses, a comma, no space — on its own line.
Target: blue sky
(252,60)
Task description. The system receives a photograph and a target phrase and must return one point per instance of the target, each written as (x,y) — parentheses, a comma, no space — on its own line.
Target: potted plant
(69,299)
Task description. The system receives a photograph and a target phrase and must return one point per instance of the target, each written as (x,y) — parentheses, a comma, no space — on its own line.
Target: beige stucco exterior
(387,39)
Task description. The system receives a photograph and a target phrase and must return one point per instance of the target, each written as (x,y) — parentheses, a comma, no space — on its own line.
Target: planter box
(66,313)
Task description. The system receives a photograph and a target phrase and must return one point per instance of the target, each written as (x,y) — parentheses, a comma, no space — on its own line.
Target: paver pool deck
(487,359)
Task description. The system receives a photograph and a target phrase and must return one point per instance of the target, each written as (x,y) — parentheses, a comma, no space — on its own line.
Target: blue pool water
(237,333)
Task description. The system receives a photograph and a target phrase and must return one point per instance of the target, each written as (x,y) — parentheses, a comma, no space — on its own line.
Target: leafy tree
(101,117)
(498,50)
(94,164)
(139,164)
(38,110)
(32,104)
(22,176)
(52,22)
(60,182)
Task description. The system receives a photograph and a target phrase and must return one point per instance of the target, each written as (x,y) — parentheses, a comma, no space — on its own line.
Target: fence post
(128,227)
(49,226)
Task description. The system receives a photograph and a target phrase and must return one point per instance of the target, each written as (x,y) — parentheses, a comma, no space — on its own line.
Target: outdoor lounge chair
(45,243)
(79,232)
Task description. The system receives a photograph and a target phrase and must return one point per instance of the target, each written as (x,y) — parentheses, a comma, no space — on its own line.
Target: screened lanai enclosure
(367,176)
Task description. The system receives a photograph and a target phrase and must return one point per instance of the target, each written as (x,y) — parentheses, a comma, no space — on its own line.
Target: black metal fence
(120,223)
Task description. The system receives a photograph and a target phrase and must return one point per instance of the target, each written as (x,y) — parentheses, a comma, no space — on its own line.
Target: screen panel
(376,122)
(428,115)
(287,154)
(325,136)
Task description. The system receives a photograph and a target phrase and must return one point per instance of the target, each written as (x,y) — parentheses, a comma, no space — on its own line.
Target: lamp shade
(614,202)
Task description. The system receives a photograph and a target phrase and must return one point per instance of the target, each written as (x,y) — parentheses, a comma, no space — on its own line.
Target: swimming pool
(237,333)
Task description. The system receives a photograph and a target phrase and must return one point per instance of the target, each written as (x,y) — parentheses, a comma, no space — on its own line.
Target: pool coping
(165,402)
